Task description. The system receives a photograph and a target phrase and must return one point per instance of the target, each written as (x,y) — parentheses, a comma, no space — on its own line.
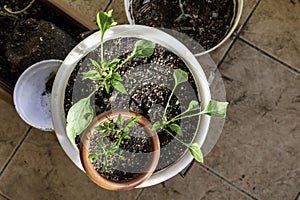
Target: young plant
(105,74)
(183,16)
(214,109)
(119,130)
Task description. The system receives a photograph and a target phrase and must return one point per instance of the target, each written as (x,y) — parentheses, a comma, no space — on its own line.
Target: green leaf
(112,64)
(105,21)
(176,128)
(79,117)
(106,85)
(120,121)
(196,152)
(91,74)
(143,48)
(99,128)
(117,76)
(156,126)
(118,86)
(216,109)
(182,17)
(180,76)
(194,105)
(95,63)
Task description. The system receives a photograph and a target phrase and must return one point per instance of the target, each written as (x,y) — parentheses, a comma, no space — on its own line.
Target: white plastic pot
(30,99)
(238,13)
(141,32)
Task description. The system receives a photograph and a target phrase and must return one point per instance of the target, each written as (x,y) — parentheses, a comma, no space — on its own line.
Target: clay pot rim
(124,185)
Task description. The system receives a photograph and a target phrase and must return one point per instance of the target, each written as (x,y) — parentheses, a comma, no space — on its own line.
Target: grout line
(297,71)
(244,192)
(140,194)
(248,18)
(236,35)
(14,151)
(297,196)
(107,6)
(4,196)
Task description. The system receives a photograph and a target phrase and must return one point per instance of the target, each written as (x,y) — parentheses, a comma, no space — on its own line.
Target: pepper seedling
(105,74)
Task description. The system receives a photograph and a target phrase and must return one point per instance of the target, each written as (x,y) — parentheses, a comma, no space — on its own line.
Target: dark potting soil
(135,151)
(149,82)
(209,23)
(49,83)
(37,34)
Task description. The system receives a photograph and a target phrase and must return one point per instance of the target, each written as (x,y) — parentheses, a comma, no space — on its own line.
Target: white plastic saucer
(31,100)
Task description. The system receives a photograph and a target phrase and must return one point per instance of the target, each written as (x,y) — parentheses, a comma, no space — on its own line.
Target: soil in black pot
(37,34)
(149,82)
(128,161)
(208,24)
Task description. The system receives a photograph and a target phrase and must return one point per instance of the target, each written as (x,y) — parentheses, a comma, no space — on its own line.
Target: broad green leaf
(143,48)
(79,117)
(196,152)
(180,76)
(118,86)
(91,74)
(105,21)
(194,105)
(215,109)
(156,126)
(95,63)
(176,128)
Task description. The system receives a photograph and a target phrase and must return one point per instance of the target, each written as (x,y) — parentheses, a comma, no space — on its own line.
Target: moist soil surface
(149,82)
(208,24)
(37,34)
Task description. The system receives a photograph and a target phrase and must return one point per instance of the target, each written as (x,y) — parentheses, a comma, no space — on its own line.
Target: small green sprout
(120,130)
(183,16)
(214,109)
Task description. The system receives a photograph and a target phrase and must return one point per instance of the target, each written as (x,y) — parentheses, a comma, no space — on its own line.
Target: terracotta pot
(149,167)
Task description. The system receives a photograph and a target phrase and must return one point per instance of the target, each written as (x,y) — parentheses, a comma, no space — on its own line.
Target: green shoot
(120,130)
(214,109)
(183,16)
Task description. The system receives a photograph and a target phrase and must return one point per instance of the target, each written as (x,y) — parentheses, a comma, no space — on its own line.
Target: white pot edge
(235,24)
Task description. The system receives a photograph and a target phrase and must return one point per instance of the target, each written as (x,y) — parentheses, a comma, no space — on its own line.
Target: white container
(31,101)
(238,13)
(141,32)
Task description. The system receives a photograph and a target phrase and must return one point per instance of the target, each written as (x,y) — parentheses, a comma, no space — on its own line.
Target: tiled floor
(257,155)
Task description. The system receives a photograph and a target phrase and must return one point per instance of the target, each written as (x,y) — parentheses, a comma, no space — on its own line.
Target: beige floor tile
(88,8)
(259,147)
(12,129)
(41,170)
(197,185)
(275,28)
(2,198)
(248,7)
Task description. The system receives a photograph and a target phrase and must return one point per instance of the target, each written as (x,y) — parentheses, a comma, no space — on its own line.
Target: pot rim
(141,32)
(238,7)
(31,106)
(124,185)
